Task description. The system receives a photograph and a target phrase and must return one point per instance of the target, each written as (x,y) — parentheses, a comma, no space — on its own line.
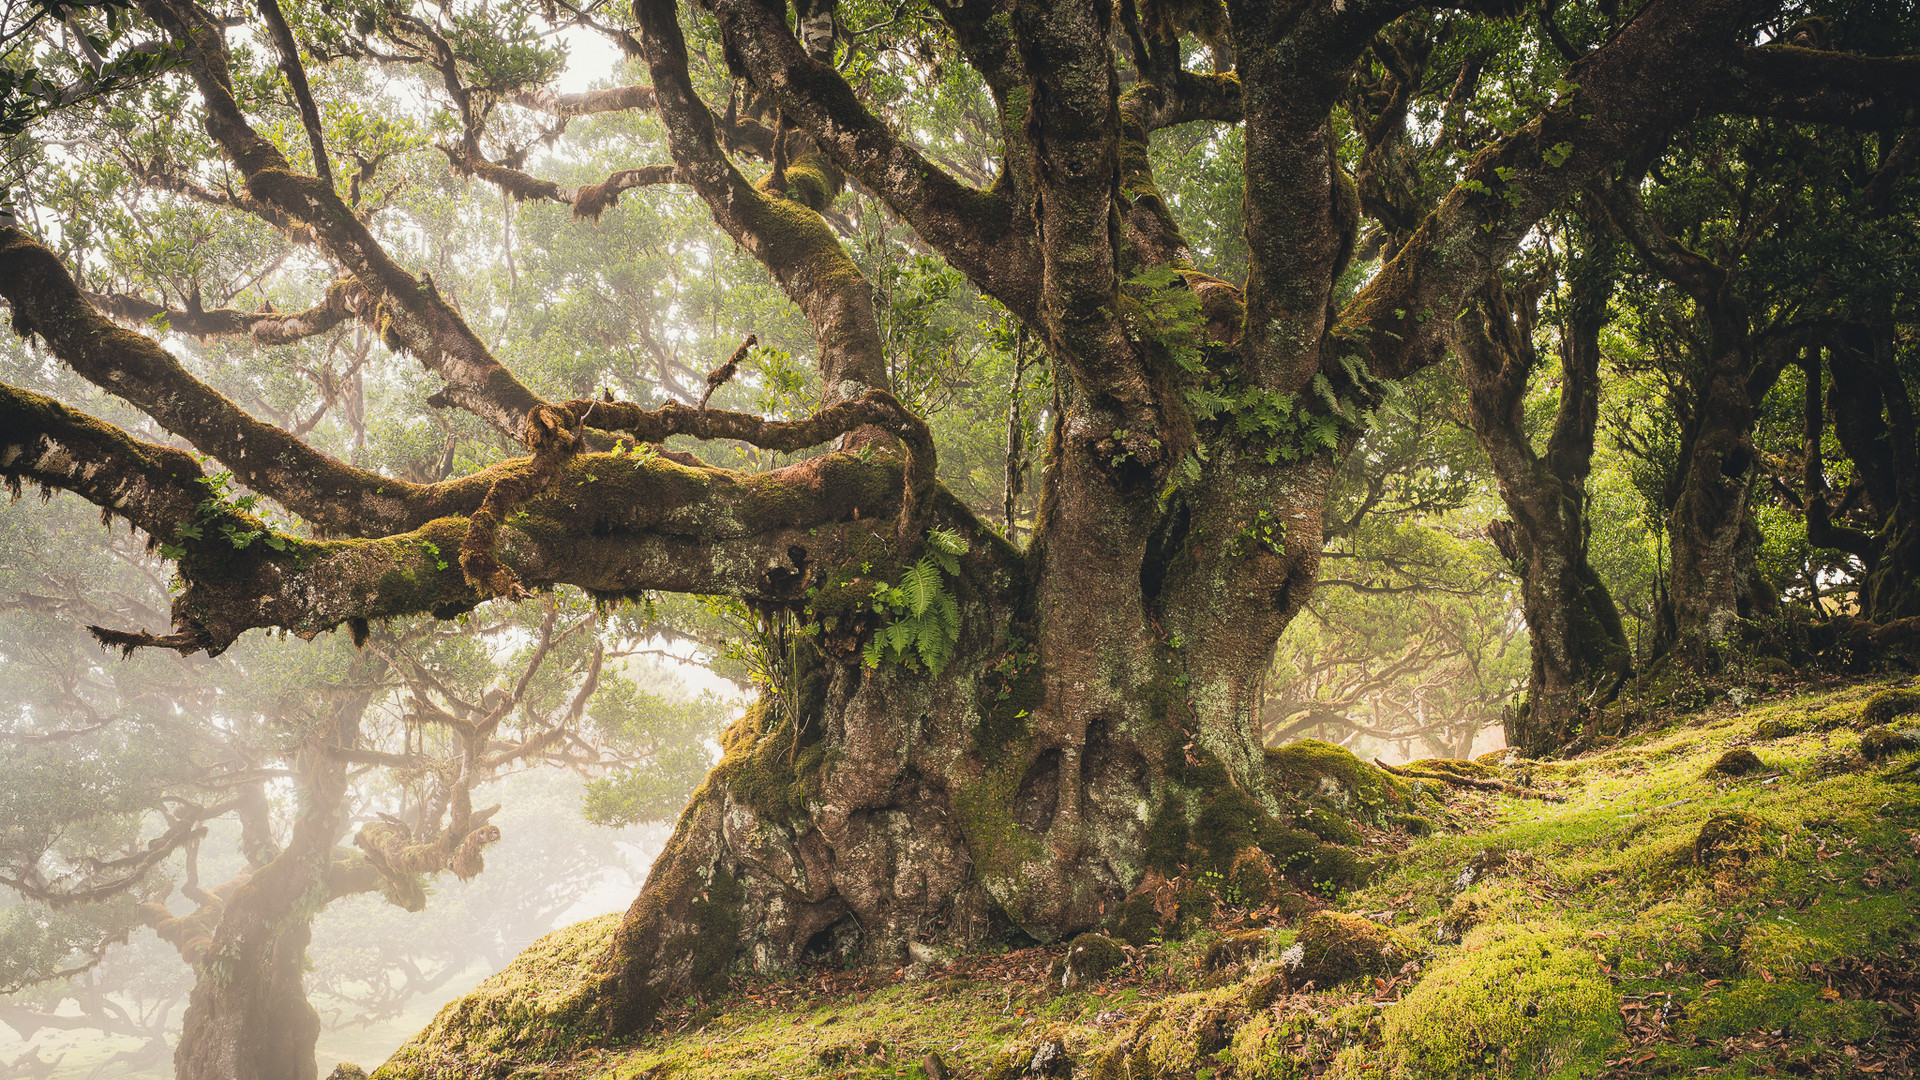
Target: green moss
(1167,838)
(1606,880)
(1329,826)
(1011,700)
(548,1001)
(1739,761)
(1518,1002)
(1134,921)
(1887,704)
(1729,838)
(766,767)
(1332,779)
(1790,1006)
(716,915)
(999,844)
(1090,957)
(1229,823)
(1441,767)
(1415,824)
(1334,947)
(1881,743)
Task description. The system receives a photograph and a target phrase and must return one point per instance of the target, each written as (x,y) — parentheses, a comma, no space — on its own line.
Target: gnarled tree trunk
(1712,580)
(1874,420)
(1579,647)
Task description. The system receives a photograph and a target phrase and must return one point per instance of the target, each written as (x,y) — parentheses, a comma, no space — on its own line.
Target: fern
(921,583)
(923,616)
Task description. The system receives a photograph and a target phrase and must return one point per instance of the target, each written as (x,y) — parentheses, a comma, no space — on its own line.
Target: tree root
(1500,786)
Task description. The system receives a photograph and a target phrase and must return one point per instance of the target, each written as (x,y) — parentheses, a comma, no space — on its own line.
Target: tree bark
(1712,580)
(1580,653)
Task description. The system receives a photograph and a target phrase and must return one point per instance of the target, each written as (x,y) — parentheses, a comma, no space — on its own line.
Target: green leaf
(921,583)
(947,540)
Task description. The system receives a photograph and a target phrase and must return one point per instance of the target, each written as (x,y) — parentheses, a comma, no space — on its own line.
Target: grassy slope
(1594,937)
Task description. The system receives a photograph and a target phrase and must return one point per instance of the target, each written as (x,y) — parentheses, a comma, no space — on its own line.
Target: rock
(1887,704)
(1089,957)
(1334,947)
(934,1067)
(1252,880)
(1264,992)
(1489,861)
(1234,948)
(1135,921)
(1050,1059)
(1739,761)
(1884,742)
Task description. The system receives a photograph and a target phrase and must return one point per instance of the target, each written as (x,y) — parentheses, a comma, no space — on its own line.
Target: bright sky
(591,59)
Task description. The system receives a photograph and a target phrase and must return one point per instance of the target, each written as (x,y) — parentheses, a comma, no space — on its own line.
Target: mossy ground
(1600,943)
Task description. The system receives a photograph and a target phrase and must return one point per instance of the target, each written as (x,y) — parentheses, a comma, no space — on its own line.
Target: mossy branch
(556,434)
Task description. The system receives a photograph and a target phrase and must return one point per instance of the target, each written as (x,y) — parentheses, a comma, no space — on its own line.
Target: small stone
(1233,949)
(1050,1059)
(1336,947)
(935,1068)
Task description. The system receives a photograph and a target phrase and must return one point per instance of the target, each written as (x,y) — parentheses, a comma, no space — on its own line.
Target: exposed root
(1455,780)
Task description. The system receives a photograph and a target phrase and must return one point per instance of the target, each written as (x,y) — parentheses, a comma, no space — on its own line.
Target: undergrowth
(1665,920)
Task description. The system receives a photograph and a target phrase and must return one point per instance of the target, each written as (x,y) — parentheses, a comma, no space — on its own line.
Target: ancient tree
(966,736)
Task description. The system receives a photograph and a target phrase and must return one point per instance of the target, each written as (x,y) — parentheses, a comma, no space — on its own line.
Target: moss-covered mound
(1335,947)
(1887,704)
(1514,1001)
(1882,743)
(1336,786)
(1739,761)
(1666,920)
(545,1004)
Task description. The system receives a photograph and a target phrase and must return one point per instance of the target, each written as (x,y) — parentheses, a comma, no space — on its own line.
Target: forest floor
(1669,918)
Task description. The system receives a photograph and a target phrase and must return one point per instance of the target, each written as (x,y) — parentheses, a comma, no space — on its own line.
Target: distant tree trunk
(248,1017)
(1874,420)
(1711,541)
(1579,646)
(1712,577)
